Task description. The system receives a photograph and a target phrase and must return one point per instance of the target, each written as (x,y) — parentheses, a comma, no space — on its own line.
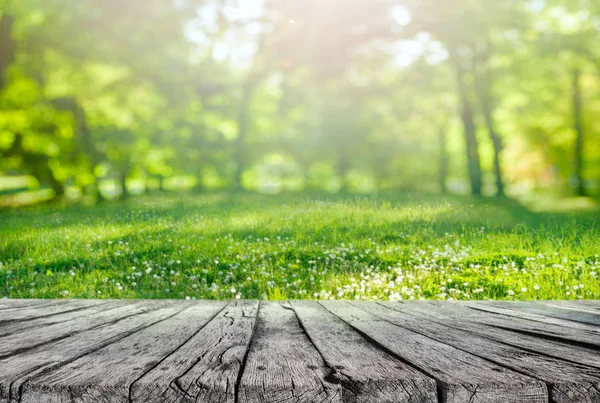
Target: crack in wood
(202,326)
(23,380)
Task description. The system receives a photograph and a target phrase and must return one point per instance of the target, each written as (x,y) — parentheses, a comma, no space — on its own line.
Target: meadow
(221,246)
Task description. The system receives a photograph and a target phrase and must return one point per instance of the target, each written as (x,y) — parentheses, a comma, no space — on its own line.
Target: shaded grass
(300,246)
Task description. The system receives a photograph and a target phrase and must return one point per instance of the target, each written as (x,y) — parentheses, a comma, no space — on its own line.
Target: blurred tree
(7,45)
(425,95)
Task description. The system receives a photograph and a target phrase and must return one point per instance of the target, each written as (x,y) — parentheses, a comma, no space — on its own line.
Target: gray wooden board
(567,381)
(282,364)
(18,326)
(29,338)
(207,366)
(461,376)
(12,306)
(513,320)
(366,373)
(17,369)
(303,351)
(551,311)
(85,379)
(20,303)
(452,316)
(534,318)
(574,305)
(583,302)
(52,308)
(507,309)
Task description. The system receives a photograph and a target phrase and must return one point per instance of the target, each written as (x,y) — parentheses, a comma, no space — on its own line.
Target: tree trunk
(123,181)
(485,100)
(161,183)
(43,173)
(199,187)
(579,139)
(483,83)
(97,193)
(85,141)
(443,159)
(7,46)
(57,186)
(240,143)
(343,167)
(254,76)
(498,147)
(471,143)
(37,165)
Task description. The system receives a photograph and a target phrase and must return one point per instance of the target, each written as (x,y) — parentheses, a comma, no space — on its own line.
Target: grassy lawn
(275,247)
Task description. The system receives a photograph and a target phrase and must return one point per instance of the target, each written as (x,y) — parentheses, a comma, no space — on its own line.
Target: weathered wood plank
(86,380)
(19,326)
(283,365)
(16,370)
(585,302)
(449,315)
(52,308)
(299,352)
(574,305)
(567,381)
(514,320)
(507,311)
(21,303)
(29,338)
(461,376)
(206,368)
(553,312)
(366,373)
(15,305)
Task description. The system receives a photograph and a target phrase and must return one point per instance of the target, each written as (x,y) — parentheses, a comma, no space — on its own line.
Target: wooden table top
(54,351)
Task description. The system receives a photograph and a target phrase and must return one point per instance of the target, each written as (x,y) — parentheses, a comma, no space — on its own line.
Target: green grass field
(275,247)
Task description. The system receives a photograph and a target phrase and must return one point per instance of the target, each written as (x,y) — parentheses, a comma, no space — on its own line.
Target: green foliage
(421,95)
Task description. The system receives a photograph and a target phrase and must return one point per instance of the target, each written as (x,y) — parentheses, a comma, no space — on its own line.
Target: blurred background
(106,99)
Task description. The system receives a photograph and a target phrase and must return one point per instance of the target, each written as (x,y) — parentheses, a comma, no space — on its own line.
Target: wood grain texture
(461,376)
(568,381)
(21,303)
(106,374)
(17,370)
(551,311)
(300,351)
(206,368)
(283,365)
(582,302)
(48,309)
(506,309)
(584,306)
(365,373)
(571,332)
(19,326)
(29,338)
(452,317)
